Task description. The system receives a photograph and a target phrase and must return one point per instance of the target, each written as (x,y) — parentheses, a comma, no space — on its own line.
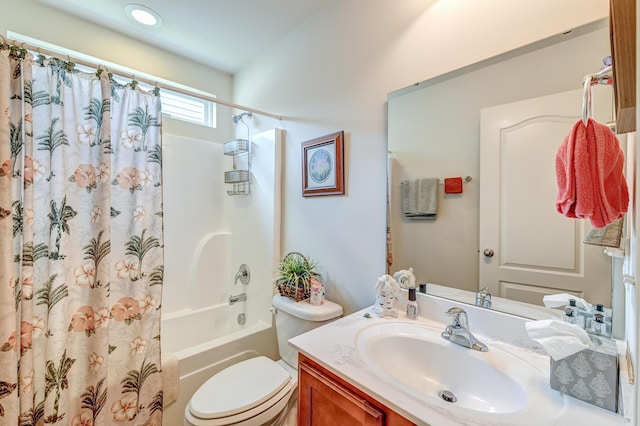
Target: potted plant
(294,276)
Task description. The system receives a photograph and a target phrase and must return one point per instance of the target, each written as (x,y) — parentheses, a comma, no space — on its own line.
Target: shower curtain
(81,258)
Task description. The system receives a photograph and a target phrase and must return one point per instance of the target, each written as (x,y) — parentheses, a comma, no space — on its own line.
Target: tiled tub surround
(334,347)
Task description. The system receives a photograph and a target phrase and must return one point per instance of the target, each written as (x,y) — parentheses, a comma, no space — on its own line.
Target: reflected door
(527,249)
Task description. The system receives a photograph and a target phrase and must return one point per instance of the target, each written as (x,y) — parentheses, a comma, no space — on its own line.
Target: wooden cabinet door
(325,401)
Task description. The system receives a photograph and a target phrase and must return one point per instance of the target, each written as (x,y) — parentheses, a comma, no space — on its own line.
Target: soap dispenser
(412,305)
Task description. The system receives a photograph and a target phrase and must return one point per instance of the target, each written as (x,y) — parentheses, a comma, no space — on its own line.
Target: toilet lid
(239,388)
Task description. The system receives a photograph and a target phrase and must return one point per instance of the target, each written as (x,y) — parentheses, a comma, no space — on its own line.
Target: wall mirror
(438,129)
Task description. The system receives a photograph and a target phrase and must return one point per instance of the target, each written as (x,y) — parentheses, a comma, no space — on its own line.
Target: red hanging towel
(589,166)
(453,185)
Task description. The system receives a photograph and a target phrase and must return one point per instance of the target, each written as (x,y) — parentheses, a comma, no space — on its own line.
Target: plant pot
(295,285)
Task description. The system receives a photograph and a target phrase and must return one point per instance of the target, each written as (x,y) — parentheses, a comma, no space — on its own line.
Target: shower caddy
(240,151)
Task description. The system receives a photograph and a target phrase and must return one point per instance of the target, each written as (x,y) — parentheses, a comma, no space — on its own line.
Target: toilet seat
(255,387)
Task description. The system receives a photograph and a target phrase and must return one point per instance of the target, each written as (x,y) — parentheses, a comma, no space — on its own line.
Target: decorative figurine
(317,292)
(405,278)
(387,290)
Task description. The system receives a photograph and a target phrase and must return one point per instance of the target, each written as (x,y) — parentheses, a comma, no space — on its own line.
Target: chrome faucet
(458,332)
(483,298)
(243,275)
(237,298)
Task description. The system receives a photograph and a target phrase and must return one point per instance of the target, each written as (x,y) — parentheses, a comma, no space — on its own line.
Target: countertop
(333,347)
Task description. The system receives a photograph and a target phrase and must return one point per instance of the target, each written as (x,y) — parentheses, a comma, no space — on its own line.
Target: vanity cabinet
(326,399)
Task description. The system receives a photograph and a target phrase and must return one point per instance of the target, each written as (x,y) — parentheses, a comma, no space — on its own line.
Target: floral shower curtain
(81,258)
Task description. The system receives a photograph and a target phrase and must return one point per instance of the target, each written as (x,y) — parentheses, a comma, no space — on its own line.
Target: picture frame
(323,165)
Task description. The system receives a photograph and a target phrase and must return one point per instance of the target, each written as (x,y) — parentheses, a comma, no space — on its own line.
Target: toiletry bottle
(600,325)
(587,317)
(571,314)
(412,305)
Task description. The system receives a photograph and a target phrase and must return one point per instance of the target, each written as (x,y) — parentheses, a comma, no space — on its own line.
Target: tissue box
(590,375)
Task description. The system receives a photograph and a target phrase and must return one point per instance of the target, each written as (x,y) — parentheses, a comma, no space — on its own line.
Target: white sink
(415,358)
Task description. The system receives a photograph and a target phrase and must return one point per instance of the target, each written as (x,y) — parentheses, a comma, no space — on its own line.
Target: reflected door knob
(488,252)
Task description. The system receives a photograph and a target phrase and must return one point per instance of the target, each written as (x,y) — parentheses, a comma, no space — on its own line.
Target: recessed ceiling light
(143,15)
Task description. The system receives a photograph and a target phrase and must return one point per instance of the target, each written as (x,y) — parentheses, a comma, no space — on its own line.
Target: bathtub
(207,340)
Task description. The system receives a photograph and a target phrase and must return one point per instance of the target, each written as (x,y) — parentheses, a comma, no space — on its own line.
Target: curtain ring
(41,57)
(100,70)
(23,50)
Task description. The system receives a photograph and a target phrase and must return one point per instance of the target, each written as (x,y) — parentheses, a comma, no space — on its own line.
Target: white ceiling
(225,34)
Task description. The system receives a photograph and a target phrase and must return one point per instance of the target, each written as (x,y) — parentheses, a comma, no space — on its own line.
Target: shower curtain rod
(150,82)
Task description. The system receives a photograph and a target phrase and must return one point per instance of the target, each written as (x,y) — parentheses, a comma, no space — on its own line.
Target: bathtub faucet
(237,298)
(243,275)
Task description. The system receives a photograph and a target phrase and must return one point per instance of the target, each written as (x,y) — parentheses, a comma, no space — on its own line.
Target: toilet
(260,391)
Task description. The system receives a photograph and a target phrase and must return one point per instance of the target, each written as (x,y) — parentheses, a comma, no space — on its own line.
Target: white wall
(334,73)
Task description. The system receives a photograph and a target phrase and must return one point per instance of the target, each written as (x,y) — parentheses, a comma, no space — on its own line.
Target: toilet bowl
(252,392)
(260,391)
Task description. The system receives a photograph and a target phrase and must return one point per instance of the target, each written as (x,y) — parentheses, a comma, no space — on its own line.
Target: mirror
(434,130)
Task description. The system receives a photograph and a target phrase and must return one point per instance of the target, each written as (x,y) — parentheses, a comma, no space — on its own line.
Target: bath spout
(233,299)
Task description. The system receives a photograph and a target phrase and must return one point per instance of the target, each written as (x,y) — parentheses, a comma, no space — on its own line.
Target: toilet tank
(294,318)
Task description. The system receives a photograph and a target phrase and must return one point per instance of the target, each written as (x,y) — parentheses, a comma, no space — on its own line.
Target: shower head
(238,117)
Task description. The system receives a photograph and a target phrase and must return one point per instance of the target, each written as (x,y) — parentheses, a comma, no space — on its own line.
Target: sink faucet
(483,298)
(458,332)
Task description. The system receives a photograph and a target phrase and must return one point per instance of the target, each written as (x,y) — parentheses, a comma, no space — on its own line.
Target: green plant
(294,274)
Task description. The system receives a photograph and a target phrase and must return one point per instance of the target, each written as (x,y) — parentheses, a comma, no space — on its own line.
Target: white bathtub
(207,340)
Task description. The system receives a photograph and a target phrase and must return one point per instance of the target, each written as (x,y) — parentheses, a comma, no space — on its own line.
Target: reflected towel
(589,166)
(170,378)
(420,198)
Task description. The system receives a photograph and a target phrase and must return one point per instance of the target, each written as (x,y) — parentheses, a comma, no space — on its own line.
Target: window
(184,107)
(175,104)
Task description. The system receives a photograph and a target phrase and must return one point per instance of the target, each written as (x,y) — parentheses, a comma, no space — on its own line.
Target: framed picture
(323,165)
